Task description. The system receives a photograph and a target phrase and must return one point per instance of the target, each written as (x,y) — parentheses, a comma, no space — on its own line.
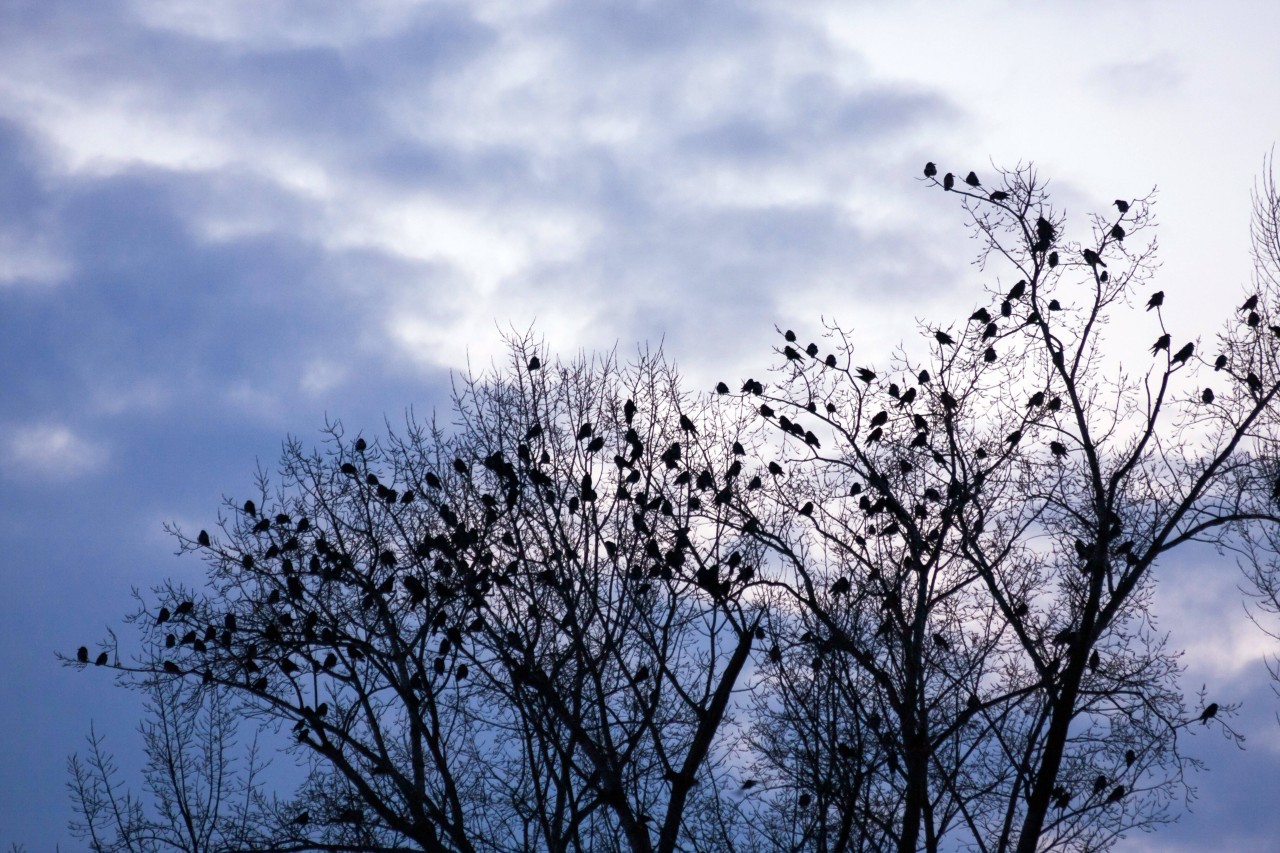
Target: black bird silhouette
(1162,343)
(981,316)
(1092,259)
(972,180)
(1006,308)
(203,539)
(1129,757)
(1055,305)
(791,353)
(584,431)
(830,360)
(302,819)
(1037,399)
(1094,660)
(866,375)
(880,418)
(432,480)
(1253,320)
(1044,232)
(840,587)
(82,654)
(923,378)
(535,363)
(1209,713)
(812,350)
(1250,303)
(999,195)
(930,170)
(1254,383)
(1053,259)
(171,668)
(948,181)
(766,410)
(721,388)
(807,509)
(629,407)
(908,397)
(595,444)
(1220,362)
(875,435)
(1014,437)
(1181,356)
(1206,396)
(1156,300)
(1116,795)
(990,332)
(687,425)
(941,642)
(1121,205)
(1117,233)
(948,401)
(1058,448)
(944,339)
(183,609)
(989,355)
(101,660)
(249,508)
(1099,784)
(1017,290)
(790,336)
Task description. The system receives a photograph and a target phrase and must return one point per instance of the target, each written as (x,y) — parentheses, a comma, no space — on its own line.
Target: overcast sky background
(221,222)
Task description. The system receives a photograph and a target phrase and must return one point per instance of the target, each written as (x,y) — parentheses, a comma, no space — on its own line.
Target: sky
(223,222)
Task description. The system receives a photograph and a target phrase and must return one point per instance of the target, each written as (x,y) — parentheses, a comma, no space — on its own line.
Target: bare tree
(521,634)
(201,792)
(969,537)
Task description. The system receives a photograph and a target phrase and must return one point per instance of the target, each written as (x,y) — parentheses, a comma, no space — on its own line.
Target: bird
(791,353)
(1156,300)
(629,407)
(534,364)
(930,170)
(1181,356)
(812,350)
(1254,383)
(1006,309)
(1017,290)
(1094,660)
(866,374)
(948,181)
(840,587)
(1250,303)
(1206,396)
(1099,784)
(1117,233)
(203,539)
(989,355)
(1209,713)
(766,410)
(981,316)
(999,195)
(101,660)
(923,377)
(1058,448)
(1121,205)
(303,819)
(943,338)
(1116,795)
(1055,305)
(790,336)
(1253,320)
(1053,259)
(721,388)
(82,654)
(1044,232)
(584,431)
(972,180)
(1037,399)
(807,509)
(687,425)
(880,418)
(990,331)
(1129,757)
(171,668)
(1092,259)
(1162,343)
(1014,437)
(1220,362)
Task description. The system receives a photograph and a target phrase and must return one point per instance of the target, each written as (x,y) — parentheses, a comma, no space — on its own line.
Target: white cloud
(54,451)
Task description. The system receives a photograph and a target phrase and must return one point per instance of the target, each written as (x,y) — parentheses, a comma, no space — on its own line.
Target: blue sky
(221,222)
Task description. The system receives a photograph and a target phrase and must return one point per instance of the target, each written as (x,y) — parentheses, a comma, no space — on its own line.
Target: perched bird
(989,355)
(1094,660)
(1055,305)
(1044,232)
(1253,320)
(981,316)
(923,378)
(948,181)
(1117,233)
(1006,309)
(972,180)
(790,336)
(1250,303)
(930,170)
(1254,383)
(534,363)
(866,375)
(999,195)
(1017,290)
(629,407)
(943,338)
(203,539)
(1014,437)
(687,425)
(1116,795)
(1099,784)
(721,388)
(1209,713)
(82,654)
(1037,399)
(990,331)
(1092,259)
(102,660)
(1181,356)
(1129,757)
(584,431)
(1206,396)
(1220,362)
(812,350)
(1121,205)
(880,418)
(1162,343)
(1156,300)
(1058,448)
(1053,259)
(840,587)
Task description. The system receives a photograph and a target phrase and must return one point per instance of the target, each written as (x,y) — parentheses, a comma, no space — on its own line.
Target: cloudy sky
(222,222)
